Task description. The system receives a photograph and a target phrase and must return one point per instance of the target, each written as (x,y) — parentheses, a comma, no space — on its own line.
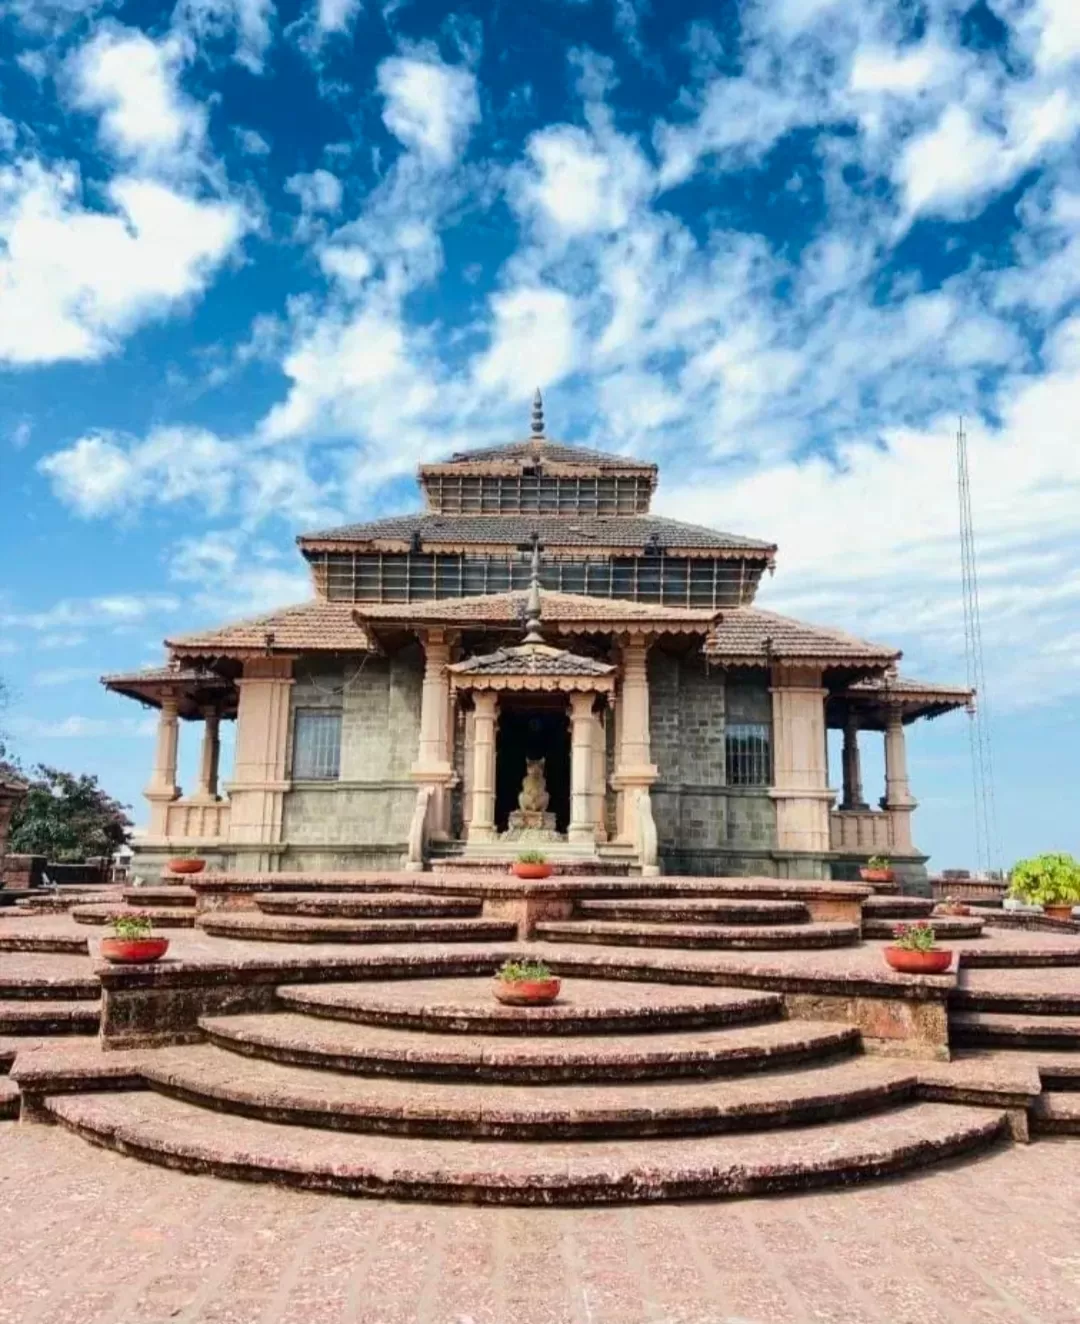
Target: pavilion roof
(586,533)
(561,610)
(532,661)
(748,635)
(314,626)
(190,684)
(541,450)
(874,695)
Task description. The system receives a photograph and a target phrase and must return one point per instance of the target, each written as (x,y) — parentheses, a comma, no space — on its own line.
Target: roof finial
(537,415)
(532,603)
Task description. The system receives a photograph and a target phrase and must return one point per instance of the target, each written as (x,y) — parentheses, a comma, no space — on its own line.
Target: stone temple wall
(703,825)
(362,819)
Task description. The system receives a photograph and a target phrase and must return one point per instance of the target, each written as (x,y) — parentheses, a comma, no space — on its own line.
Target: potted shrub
(1051,881)
(950,906)
(185,864)
(526,983)
(914,950)
(531,864)
(133,941)
(877,869)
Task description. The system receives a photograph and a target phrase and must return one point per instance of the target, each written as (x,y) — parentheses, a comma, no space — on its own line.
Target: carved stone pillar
(599,775)
(582,827)
(853,792)
(482,822)
(433,766)
(257,791)
(898,800)
(206,787)
(162,788)
(633,763)
(800,788)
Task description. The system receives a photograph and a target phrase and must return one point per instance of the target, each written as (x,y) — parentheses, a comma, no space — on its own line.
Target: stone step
(175,1134)
(162,917)
(1051,992)
(40,1017)
(897,907)
(9,1099)
(1056,1113)
(660,910)
(61,943)
(59,978)
(1019,953)
(979,1028)
(173,897)
(255,926)
(52,902)
(585,1006)
(945,927)
(763,937)
(367,905)
(298,1096)
(377,1050)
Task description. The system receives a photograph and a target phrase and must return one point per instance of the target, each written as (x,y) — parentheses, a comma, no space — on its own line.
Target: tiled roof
(630,532)
(907,687)
(155,675)
(557,452)
(750,634)
(317,625)
(531,660)
(557,608)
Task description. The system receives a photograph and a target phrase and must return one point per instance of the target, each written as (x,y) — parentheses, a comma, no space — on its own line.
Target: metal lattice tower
(987,840)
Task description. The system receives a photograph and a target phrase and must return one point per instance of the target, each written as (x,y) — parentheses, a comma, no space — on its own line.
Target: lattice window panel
(748,753)
(316,745)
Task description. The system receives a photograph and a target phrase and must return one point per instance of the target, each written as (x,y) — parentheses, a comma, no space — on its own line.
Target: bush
(531,857)
(879,862)
(131,925)
(1046,880)
(526,970)
(918,937)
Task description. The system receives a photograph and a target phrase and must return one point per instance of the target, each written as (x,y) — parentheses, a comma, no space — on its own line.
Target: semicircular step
(174,1134)
(661,910)
(585,1006)
(367,905)
(255,926)
(764,937)
(944,926)
(975,1029)
(162,917)
(1048,992)
(299,1096)
(172,896)
(40,1017)
(377,1050)
(897,907)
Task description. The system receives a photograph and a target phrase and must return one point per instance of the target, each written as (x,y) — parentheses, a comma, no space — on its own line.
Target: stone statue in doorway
(534,793)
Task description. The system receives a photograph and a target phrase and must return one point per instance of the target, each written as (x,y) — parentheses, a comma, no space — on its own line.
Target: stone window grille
(316,745)
(748,753)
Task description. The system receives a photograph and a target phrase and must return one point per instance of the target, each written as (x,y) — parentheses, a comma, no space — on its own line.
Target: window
(748,754)
(316,745)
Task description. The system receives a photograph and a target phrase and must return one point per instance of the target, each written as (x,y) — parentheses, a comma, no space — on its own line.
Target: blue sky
(257,261)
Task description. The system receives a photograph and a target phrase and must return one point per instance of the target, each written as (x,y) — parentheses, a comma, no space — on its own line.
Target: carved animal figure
(534,794)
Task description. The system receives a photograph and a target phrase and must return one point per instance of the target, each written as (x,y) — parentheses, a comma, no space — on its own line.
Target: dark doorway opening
(532,733)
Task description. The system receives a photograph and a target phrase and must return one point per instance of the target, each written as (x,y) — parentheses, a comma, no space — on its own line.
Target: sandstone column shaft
(853,791)
(633,763)
(582,826)
(206,787)
(482,823)
(162,788)
(800,788)
(898,800)
(433,766)
(262,737)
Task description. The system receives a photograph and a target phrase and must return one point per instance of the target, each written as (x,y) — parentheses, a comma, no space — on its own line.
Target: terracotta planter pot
(522,870)
(133,951)
(919,963)
(1058,912)
(185,865)
(877,875)
(526,992)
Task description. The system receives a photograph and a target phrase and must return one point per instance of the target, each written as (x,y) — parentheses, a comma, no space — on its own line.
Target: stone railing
(197,820)
(645,832)
(418,830)
(868,831)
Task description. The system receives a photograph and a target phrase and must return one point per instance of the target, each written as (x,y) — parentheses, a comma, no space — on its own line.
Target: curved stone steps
(255,926)
(585,1006)
(763,937)
(376,1050)
(897,907)
(51,902)
(945,927)
(173,897)
(162,917)
(1048,992)
(167,1131)
(35,1016)
(982,1028)
(298,1096)
(35,976)
(57,944)
(367,905)
(661,910)
(1056,1113)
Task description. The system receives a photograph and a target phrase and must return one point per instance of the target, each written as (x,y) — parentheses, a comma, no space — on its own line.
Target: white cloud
(248,22)
(237,576)
(532,341)
(113,610)
(250,141)
(430,106)
(336,15)
(319,191)
(73,281)
(580,183)
(83,728)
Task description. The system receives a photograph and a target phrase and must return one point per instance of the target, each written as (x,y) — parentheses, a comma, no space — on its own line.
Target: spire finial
(532,603)
(537,415)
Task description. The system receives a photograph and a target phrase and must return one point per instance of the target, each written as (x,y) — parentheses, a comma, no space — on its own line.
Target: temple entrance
(532,730)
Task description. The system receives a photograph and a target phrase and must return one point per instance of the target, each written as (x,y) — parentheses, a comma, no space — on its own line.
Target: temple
(533,658)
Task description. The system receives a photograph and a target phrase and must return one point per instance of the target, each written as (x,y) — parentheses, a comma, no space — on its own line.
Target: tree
(67,817)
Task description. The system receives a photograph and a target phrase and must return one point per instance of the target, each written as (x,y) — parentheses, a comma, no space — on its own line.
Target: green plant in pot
(186,863)
(877,869)
(531,864)
(914,950)
(1051,881)
(133,941)
(526,982)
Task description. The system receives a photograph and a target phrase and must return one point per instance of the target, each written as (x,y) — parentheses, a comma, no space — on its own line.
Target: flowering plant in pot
(185,864)
(531,864)
(1051,881)
(526,982)
(133,941)
(914,950)
(950,906)
(877,869)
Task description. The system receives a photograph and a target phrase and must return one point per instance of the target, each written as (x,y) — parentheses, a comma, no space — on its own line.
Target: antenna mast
(987,841)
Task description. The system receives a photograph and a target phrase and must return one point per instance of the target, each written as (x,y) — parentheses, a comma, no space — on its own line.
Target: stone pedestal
(530,825)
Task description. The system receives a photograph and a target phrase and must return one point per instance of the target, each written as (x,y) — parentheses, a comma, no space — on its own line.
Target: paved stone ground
(88,1237)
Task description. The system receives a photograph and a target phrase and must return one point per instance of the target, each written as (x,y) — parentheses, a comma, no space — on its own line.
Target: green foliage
(67,817)
(531,857)
(879,862)
(917,937)
(526,970)
(1046,880)
(131,925)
